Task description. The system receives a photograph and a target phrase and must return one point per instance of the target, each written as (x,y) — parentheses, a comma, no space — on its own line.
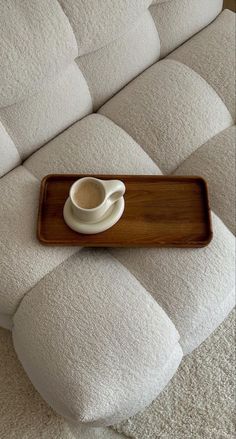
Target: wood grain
(230,4)
(160,211)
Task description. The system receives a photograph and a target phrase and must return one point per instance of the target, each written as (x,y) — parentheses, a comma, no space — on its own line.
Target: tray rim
(47,177)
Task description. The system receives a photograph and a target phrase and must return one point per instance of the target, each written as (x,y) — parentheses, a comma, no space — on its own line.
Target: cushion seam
(56,266)
(186,339)
(199,146)
(123,34)
(169,58)
(141,283)
(147,291)
(190,37)
(43,277)
(110,121)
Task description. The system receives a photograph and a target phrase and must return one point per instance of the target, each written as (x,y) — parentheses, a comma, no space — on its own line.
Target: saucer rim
(93,228)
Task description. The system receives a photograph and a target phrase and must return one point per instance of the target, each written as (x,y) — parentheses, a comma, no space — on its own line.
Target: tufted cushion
(94,144)
(166,110)
(37,42)
(210,60)
(100,325)
(57,105)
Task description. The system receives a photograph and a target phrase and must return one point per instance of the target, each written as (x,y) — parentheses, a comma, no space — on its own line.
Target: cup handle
(115,189)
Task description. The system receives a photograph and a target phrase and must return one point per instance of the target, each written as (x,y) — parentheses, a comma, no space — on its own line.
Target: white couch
(84,88)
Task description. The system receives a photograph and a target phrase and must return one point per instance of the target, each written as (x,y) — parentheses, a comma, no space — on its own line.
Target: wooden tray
(160,211)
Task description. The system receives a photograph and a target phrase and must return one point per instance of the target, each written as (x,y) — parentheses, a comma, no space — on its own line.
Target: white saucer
(110,218)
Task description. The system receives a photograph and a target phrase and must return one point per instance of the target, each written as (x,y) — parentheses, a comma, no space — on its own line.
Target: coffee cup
(91,197)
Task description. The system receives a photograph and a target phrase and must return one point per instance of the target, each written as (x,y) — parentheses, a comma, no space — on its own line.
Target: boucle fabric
(91,337)
(199,402)
(187,17)
(36,29)
(59,103)
(152,107)
(96,23)
(118,345)
(20,251)
(24,414)
(215,161)
(86,148)
(43,93)
(8,152)
(187,295)
(209,59)
(130,54)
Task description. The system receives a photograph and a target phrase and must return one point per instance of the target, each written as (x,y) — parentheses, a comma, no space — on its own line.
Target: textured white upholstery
(188,283)
(94,144)
(9,156)
(97,23)
(59,103)
(118,359)
(37,42)
(101,333)
(215,161)
(153,106)
(176,21)
(23,260)
(209,52)
(23,413)
(121,60)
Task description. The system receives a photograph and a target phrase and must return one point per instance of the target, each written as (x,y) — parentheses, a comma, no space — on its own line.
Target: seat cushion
(90,317)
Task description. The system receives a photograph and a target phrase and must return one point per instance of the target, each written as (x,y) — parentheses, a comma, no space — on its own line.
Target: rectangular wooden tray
(160,211)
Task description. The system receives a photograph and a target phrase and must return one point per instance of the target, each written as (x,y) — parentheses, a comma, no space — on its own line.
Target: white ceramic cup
(111,191)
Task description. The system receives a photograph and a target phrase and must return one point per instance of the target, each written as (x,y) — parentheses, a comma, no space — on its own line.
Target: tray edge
(199,244)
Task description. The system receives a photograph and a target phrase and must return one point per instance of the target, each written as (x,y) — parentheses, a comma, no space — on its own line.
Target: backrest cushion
(62,59)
